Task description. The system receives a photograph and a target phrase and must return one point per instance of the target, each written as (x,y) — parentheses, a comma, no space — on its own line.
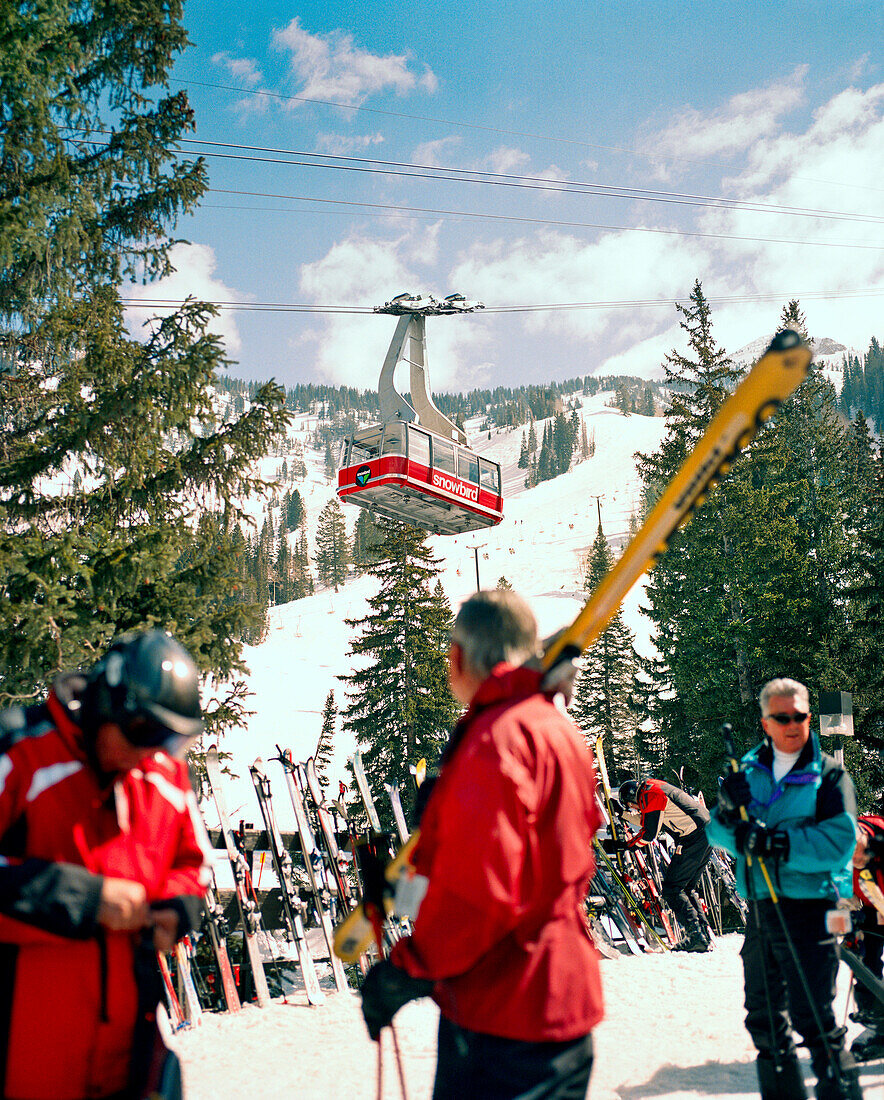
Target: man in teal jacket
(799,827)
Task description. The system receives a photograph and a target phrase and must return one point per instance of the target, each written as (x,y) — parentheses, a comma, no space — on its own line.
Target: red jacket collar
(58,706)
(506,682)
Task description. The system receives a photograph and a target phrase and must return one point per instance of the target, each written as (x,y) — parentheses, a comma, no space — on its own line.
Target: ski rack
(309,851)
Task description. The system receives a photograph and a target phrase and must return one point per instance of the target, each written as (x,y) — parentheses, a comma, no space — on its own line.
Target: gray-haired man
(801,809)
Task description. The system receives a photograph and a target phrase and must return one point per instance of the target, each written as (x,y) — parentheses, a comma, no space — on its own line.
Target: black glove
(875,846)
(753,839)
(610,845)
(385,990)
(733,794)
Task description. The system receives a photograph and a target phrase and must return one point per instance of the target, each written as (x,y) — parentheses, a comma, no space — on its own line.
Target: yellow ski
(355,934)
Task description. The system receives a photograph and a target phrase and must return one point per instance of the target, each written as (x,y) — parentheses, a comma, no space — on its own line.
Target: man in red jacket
(506,849)
(102,860)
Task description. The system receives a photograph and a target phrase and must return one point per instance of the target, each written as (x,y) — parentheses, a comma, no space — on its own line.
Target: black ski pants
(871,954)
(475,1066)
(776,998)
(681,876)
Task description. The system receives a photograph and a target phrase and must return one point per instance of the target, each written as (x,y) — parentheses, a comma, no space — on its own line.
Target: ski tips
(786,340)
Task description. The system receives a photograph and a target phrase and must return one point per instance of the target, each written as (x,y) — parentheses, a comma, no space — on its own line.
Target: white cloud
(507,160)
(339,144)
(733,128)
(194,276)
(436,152)
(332,67)
(558,268)
(244,69)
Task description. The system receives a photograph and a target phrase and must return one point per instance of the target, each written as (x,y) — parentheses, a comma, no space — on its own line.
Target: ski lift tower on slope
(416,465)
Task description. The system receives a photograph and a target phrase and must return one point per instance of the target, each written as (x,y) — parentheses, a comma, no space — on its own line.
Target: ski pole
(727,735)
(373,906)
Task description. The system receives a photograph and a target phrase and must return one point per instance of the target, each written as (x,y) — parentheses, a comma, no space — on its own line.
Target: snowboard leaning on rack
(249,914)
(291,900)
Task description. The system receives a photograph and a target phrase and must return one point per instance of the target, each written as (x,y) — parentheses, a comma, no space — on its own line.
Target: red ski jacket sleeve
(506,843)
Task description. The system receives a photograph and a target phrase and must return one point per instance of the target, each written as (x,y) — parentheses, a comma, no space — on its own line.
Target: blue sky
(592,144)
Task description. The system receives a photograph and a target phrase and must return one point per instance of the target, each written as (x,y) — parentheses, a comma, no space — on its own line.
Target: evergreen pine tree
(302,581)
(331,468)
(400,708)
(800,456)
(366,536)
(135,418)
(332,555)
(295,513)
(322,757)
(603,697)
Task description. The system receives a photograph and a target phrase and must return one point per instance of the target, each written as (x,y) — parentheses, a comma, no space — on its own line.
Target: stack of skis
(247,948)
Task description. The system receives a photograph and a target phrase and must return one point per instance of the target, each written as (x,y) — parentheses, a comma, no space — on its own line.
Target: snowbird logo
(362,475)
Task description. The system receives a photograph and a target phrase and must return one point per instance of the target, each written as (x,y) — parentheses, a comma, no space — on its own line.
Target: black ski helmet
(628,793)
(148,685)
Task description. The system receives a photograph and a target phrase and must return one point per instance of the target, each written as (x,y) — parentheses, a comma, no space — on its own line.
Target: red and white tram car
(404,472)
(416,466)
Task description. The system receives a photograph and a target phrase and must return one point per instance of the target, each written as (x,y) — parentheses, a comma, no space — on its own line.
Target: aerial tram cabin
(416,465)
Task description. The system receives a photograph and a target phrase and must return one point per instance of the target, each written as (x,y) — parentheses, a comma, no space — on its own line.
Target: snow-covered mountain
(539,548)
(828,353)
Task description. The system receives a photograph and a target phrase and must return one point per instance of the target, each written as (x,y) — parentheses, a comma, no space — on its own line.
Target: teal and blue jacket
(815,804)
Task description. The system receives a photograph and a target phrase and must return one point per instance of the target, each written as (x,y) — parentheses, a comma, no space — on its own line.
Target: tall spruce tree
(332,555)
(861,644)
(366,536)
(801,457)
(325,745)
(695,605)
(603,703)
(400,708)
(110,447)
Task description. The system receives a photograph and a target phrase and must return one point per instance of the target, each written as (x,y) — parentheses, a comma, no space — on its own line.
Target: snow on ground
(673,1030)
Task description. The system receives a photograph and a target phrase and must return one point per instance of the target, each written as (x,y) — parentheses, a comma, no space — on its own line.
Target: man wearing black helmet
(667,808)
(103,857)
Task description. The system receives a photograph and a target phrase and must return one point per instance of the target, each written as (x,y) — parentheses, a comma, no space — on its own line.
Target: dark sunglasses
(785,719)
